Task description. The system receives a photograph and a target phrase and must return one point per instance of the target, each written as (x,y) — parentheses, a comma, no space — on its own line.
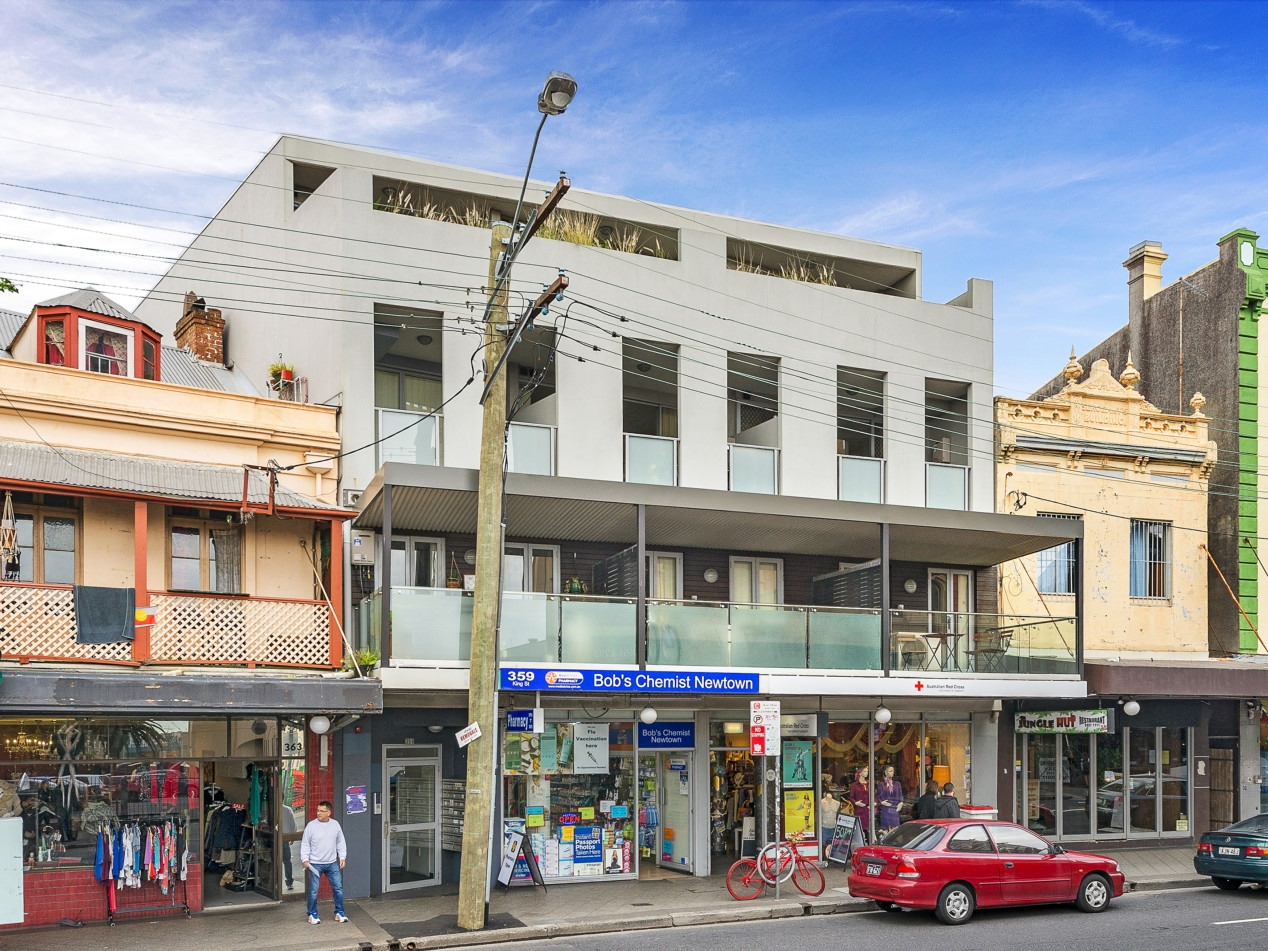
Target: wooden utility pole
(477,829)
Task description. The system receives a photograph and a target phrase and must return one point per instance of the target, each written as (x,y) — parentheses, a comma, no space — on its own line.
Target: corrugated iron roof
(77,468)
(93,301)
(10,323)
(184,369)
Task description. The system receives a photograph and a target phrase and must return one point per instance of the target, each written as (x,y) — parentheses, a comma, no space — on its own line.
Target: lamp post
(478,833)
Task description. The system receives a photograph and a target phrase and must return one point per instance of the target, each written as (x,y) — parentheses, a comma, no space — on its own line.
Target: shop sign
(667,735)
(525,721)
(587,845)
(1063,721)
(590,748)
(804,724)
(557,679)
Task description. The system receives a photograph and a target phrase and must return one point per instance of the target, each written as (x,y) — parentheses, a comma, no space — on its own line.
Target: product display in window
(570,791)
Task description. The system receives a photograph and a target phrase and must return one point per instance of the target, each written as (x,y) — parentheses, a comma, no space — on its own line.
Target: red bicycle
(777,862)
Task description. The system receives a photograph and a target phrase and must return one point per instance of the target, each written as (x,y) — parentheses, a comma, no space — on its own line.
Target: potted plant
(453,579)
(366,658)
(281,372)
(575,585)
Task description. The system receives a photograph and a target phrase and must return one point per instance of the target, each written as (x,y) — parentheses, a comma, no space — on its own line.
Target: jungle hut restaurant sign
(1064,721)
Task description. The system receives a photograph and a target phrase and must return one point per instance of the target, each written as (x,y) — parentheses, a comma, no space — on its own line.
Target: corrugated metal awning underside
(63,469)
(438,500)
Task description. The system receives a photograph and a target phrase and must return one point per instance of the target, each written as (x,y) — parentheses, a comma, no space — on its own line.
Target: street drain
(641,904)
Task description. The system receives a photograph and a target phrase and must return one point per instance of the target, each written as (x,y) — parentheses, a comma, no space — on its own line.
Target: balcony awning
(35,691)
(32,465)
(443,500)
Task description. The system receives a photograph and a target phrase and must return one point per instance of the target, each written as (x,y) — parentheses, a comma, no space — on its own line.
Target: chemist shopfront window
(571,790)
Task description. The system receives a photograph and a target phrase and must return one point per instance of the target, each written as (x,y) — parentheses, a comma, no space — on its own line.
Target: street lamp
(556,94)
(478,833)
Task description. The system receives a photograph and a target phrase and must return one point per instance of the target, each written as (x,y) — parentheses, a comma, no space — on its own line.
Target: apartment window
(46,548)
(530,568)
(205,556)
(757,580)
(1150,559)
(1058,566)
(55,343)
(105,349)
(149,360)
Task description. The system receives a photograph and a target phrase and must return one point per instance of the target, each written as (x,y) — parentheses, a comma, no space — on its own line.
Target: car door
(1032,872)
(971,856)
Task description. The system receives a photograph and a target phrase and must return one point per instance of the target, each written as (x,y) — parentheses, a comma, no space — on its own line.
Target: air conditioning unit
(352,498)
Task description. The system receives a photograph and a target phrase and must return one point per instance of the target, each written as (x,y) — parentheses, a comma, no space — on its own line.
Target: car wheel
(1094,894)
(956,905)
(887,906)
(1227,884)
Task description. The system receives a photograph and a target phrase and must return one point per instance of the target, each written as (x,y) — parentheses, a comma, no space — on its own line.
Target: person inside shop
(859,800)
(889,797)
(947,806)
(829,806)
(923,807)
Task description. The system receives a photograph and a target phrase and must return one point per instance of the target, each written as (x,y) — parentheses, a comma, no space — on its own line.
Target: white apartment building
(745,460)
(309,263)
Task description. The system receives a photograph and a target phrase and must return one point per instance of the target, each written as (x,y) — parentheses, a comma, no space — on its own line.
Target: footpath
(426,920)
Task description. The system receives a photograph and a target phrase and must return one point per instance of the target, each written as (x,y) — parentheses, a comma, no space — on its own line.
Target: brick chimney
(1144,277)
(202,331)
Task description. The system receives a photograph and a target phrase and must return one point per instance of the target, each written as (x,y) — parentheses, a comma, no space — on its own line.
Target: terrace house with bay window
(734,448)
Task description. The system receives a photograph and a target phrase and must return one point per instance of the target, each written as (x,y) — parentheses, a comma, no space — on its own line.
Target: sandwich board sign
(514,850)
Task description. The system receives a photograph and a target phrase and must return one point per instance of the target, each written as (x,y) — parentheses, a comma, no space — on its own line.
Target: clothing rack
(162,859)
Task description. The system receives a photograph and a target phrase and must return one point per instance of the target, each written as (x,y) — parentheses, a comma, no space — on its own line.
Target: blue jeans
(333,872)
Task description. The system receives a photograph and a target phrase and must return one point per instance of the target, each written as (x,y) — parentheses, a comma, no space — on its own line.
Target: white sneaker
(314,920)
(339,917)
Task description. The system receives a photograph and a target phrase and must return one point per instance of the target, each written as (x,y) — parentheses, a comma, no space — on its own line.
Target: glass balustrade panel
(845,640)
(598,631)
(431,624)
(687,633)
(768,636)
(529,630)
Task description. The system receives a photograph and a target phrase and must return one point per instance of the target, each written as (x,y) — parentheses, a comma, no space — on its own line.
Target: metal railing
(434,625)
(955,642)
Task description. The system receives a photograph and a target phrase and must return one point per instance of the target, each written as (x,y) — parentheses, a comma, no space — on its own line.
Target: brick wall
(74,893)
(321,785)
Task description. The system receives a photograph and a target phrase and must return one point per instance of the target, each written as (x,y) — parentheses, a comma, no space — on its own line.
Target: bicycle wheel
(808,877)
(742,880)
(775,862)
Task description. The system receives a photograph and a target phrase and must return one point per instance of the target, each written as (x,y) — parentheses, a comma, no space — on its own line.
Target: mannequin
(889,796)
(860,800)
(829,806)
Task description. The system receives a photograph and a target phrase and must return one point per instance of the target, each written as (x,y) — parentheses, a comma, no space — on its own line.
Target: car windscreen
(1254,825)
(914,835)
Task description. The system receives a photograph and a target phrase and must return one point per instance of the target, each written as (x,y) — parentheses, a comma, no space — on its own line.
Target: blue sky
(1027,143)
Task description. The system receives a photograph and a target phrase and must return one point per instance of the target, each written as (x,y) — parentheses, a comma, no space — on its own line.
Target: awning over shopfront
(442,499)
(1200,678)
(61,693)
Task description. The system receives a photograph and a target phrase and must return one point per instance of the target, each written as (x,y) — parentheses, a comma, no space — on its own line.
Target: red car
(956,866)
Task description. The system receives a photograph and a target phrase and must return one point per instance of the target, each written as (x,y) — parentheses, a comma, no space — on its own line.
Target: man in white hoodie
(323,851)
